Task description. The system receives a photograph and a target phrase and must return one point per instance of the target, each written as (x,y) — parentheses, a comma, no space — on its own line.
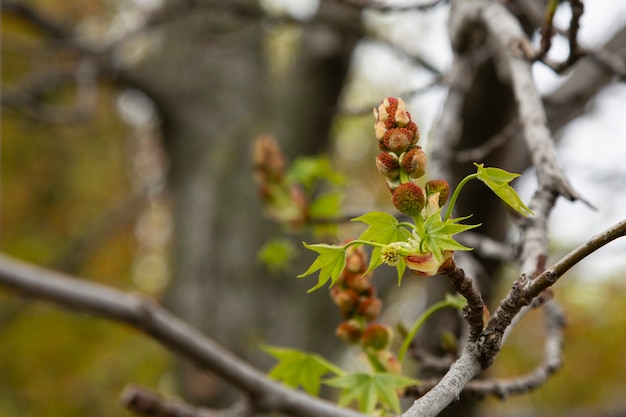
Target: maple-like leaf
(300,369)
(437,234)
(330,262)
(371,390)
(498,181)
(383,228)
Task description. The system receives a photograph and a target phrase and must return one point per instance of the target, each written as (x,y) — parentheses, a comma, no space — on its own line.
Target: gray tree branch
(147,316)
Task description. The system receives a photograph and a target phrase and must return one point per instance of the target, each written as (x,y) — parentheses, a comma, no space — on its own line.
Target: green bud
(409,199)
(369,308)
(377,337)
(438,186)
(349,331)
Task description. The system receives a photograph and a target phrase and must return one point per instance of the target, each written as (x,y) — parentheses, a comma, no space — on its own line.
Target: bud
(409,199)
(357,282)
(391,364)
(267,159)
(397,140)
(438,186)
(387,111)
(412,127)
(349,331)
(388,164)
(413,163)
(355,260)
(426,264)
(392,253)
(379,131)
(486,317)
(402,116)
(393,184)
(377,337)
(381,113)
(346,301)
(369,308)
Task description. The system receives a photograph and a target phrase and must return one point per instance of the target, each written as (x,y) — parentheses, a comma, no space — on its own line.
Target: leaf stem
(418,324)
(407,224)
(363,242)
(373,360)
(455,195)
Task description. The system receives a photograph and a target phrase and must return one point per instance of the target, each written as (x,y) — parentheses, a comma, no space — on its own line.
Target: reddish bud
(427,265)
(376,337)
(414,162)
(358,282)
(412,127)
(397,140)
(346,300)
(409,199)
(267,159)
(438,186)
(402,116)
(369,308)
(356,261)
(388,164)
(349,331)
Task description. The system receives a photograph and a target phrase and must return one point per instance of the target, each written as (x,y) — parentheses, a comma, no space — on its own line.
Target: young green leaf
(330,262)
(437,236)
(276,254)
(456,301)
(371,390)
(299,369)
(326,205)
(498,181)
(309,170)
(383,228)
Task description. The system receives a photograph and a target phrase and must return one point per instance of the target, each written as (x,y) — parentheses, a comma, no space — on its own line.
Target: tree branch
(504,388)
(142,401)
(510,37)
(473,311)
(147,316)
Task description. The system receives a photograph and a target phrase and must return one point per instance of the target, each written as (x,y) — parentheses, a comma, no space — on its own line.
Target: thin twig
(505,388)
(473,311)
(145,402)
(487,247)
(497,140)
(383,7)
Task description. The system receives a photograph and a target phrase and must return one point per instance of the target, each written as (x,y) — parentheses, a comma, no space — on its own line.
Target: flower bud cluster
(284,203)
(397,138)
(402,161)
(359,306)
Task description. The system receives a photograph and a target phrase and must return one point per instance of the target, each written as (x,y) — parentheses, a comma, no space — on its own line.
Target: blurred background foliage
(67,203)
(69,200)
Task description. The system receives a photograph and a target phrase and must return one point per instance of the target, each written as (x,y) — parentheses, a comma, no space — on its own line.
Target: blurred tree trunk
(211,80)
